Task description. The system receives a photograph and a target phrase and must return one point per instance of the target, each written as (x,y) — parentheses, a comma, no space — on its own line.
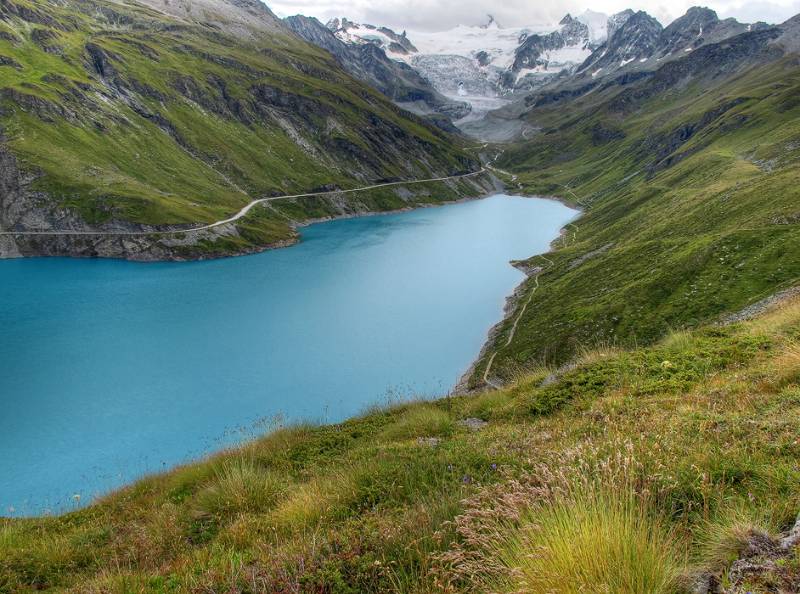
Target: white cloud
(433,15)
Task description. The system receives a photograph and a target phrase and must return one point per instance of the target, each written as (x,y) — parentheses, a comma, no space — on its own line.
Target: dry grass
(585,522)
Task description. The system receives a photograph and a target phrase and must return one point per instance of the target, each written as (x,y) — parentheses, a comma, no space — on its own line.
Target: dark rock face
(637,38)
(687,29)
(697,27)
(399,41)
(6,61)
(636,41)
(615,21)
(369,63)
(483,58)
(530,53)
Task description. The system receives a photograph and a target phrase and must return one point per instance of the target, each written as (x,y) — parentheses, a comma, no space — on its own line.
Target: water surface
(112,369)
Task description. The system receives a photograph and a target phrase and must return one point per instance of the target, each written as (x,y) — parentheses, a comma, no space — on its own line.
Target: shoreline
(175,244)
(511,302)
(462,387)
(180,244)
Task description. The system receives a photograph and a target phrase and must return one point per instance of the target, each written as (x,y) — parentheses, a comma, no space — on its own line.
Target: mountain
(244,19)
(368,62)
(637,42)
(634,39)
(153,116)
(689,173)
(489,65)
(540,55)
(383,37)
(482,64)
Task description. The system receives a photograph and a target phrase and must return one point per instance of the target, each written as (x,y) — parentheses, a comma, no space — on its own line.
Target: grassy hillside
(691,184)
(120,113)
(639,471)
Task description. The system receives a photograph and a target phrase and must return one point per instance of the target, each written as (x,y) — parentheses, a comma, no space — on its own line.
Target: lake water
(112,369)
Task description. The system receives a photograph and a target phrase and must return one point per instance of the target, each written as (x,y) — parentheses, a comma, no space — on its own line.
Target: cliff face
(369,63)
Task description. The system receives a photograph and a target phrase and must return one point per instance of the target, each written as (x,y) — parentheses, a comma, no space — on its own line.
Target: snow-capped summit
(540,57)
(597,23)
(637,41)
(392,43)
(491,23)
(488,60)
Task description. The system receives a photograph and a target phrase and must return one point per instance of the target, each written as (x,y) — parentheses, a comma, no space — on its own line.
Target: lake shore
(251,234)
(463,386)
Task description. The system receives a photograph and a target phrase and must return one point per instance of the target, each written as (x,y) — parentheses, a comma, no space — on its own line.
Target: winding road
(243,211)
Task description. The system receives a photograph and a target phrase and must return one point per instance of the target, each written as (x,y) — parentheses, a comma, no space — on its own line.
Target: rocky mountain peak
(491,23)
(636,38)
(615,21)
(574,31)
(545,53)
(688,30)
(696,20)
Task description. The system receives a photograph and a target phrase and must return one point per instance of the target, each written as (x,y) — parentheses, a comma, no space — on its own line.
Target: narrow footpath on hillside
(486,379)
(244,210)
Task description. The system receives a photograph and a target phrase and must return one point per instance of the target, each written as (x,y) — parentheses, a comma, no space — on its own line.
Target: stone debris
(430,442)
(473,424)
(759,307)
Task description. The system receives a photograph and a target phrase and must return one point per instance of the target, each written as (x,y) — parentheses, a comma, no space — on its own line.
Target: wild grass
(422,420)
(239,486)
(593,542)
(621,473)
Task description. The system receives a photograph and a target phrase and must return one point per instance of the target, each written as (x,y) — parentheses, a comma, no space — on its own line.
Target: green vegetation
(122,113)
(631,472)
(691,210)
(666,452)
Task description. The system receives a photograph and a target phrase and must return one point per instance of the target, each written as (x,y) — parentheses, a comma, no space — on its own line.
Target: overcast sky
(437,15)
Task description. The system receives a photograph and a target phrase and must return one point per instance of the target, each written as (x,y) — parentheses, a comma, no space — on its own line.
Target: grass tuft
(423,420)
(590,541)
(239,486)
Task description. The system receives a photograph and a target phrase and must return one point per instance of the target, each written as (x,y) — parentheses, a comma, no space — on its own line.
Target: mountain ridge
(118,117)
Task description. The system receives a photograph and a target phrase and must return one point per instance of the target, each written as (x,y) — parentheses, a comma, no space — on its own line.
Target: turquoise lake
(110,369)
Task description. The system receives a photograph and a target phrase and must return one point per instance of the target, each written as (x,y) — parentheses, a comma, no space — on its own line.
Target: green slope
(691,185)
(119,112)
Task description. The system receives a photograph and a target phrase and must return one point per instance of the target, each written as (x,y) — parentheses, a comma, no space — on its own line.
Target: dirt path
(244,210)
(487,380)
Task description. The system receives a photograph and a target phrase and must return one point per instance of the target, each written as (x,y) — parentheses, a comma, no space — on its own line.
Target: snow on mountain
(597,23)
(495,45)
(487,61)
(356,33)
(638,42)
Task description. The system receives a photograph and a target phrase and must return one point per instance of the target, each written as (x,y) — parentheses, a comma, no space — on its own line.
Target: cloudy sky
(437,15)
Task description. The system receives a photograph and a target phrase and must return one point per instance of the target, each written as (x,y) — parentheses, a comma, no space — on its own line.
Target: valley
(632,416)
